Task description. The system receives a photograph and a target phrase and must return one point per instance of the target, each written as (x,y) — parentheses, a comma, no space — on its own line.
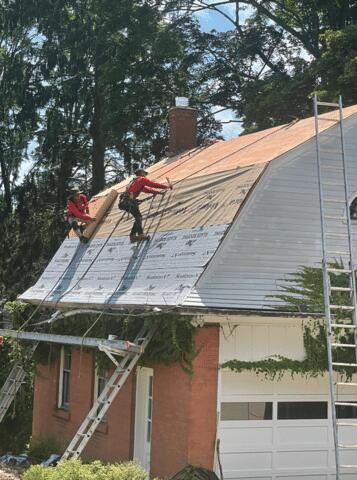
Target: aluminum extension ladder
(13,383)
(110,391)
(337,244)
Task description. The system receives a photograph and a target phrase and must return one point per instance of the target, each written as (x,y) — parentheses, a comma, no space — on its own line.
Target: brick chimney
(182,127)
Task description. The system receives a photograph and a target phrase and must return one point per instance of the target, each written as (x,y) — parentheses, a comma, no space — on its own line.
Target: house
(244,215)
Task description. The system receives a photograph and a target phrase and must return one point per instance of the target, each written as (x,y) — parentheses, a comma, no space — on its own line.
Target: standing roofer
(129,202)
(78,213)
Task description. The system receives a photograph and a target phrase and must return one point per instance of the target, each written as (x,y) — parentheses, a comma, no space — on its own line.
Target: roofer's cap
(139,169)
(74,191)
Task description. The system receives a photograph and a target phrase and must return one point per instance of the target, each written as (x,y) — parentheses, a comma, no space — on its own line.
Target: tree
(118,66)
(277,56)
(18,91)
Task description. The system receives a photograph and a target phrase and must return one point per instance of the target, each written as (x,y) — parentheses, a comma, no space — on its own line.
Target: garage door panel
(231,438)
(307,476)
(348,434)
(278,430)
(301,459)
(295,435)
(235,475)
(234,384)
(247,461)
(349,457)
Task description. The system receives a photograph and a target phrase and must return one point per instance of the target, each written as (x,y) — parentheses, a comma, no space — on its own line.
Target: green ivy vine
(303,292)
(174,340)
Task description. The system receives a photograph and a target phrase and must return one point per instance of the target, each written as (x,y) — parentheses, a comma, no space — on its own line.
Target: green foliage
(18,312)
(174,340)
(303,292)
(193,472)
(42,447)
(76,470)
(17,424)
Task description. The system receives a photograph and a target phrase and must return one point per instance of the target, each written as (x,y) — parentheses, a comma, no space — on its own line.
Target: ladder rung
(342,307)
(336,235)
(345,424)
(347,404)
(328,104)
(342,325)
(348,466)
(334,217)
(341,364)
(344,345)
(340,289)
(332,167)
(347,445)
(347,384)
(327,120)
(334,200)
(333,184)
(339,270)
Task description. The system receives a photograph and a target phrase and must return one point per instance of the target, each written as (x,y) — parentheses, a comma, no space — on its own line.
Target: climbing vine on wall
(303,292)
(174,340)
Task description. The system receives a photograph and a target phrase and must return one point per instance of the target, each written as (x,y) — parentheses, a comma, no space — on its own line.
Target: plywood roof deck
(246,150)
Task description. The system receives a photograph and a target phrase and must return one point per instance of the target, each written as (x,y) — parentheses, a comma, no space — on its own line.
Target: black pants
(132,207)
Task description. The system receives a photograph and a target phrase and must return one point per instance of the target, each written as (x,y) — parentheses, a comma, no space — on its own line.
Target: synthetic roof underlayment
(186,226)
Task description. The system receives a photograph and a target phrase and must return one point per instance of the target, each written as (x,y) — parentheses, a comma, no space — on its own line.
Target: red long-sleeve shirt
(79,209)
(143,184)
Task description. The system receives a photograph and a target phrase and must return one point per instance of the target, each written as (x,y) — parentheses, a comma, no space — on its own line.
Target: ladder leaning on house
(109,393)
(338,278)
(13,383)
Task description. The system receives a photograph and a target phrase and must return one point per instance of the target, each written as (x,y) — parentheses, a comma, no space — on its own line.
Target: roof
(246,150)
(187,226)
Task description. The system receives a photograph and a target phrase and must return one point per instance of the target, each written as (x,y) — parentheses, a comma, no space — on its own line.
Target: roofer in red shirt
(78,213)
(129,202)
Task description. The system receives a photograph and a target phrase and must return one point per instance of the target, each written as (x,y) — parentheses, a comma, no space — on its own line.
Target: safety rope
(92,262)
(129,263)
(175,183)
(27,321)
(221,159)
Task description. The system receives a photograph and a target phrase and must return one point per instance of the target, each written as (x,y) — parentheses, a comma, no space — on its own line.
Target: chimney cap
(181,102)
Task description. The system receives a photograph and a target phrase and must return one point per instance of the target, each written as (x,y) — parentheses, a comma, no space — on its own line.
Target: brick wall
(184,410)
(113,439)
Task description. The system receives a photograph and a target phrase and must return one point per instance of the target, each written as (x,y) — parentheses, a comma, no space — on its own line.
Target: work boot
(134,238)
(84,239)
(142,237)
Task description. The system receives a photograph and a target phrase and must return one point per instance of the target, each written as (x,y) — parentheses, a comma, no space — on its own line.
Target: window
(246,411)
(344,411)
(64,380)
(149,418)
(302,410)
(353,209)
(100,381)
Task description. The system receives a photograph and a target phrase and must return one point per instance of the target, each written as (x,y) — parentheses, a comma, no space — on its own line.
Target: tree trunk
(98,148)
(6,184)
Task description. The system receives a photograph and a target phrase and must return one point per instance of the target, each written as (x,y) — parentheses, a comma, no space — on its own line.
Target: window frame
(300,402)
(245,402)
(64,375)
(96,394)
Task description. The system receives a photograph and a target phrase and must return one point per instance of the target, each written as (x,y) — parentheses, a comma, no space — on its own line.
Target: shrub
(42,447)
(76,470)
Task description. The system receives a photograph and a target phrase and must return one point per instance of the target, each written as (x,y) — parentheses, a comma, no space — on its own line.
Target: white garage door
(279,430)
